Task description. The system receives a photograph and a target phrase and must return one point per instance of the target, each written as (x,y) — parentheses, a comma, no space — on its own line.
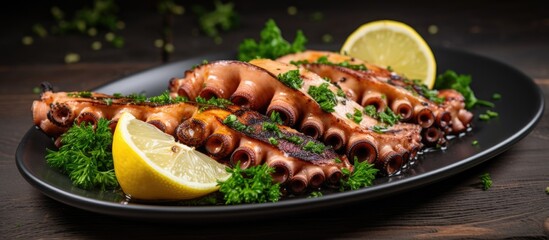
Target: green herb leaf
(232,122)
(363,175)
(251,185)
(486,181)
(460,83)
(213,101)
(275,117)
(291,79)
(222,18)
(85,156)
(313,147)
(323,96)
(271,44)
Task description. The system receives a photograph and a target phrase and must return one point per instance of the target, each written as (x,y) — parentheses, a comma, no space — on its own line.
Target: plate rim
(209,213)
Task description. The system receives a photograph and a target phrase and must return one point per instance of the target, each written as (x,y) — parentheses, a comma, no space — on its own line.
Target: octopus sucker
(315,175)
(192,132)
(402,108)
(289,113)
(335,137)
(375,99)
(424,116)
(247,154)
(205,127)
(221,144)
(90,115)
(312,126)
(283,170)
(299,182)
(362,148)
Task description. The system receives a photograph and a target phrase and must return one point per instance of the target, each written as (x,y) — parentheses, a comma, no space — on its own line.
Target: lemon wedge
(149,164)
(393,44)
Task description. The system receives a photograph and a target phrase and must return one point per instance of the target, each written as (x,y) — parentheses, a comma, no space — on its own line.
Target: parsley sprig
(461,83)
(251,185)
(271,45)
(363,175)
(86,156)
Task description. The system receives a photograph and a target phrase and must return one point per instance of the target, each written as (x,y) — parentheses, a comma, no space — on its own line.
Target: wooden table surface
(514,33)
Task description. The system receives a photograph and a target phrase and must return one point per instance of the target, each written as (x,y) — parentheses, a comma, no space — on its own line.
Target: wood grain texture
(455,208)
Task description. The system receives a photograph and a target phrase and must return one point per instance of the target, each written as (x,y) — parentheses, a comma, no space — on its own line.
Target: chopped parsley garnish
(273,141)
(371,111)
(218,102)
(496,96)
(363,175)
(108,101)
(275,117)
(484,117)
(356,117)
(165,98)
(346,64)
(232,122)
(137,97)
(460,83)
(488,115)
(117,95)
(315,194)
(82,94)
(324,60)
(291,79)
(387,116)
(251,185)
(491,113)
(85,156)
(323,96)
(474,143)
(341,93)
(294,139)
(313,147)
(417,87)
(486,181)
(337,160)
(379,128)
(271,45)
(269,126)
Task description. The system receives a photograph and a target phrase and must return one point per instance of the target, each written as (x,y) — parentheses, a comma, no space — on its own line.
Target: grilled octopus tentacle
(298,109)
(204,128)
(395,87)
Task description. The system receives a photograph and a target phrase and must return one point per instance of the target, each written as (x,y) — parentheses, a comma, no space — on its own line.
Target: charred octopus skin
(255,85)
(210,128)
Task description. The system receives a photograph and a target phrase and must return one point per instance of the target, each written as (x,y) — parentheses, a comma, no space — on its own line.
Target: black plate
(519,110)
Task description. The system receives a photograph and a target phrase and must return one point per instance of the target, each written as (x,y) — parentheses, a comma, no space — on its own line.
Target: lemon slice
(149,164)
(393,44)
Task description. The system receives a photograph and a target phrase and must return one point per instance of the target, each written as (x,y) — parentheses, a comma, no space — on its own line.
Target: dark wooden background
(516,33)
